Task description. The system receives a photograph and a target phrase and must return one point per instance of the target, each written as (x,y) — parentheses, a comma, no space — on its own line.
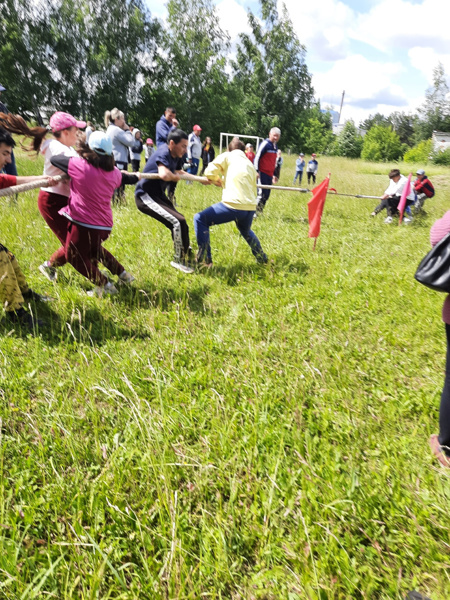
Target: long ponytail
(112,115)
(16,124)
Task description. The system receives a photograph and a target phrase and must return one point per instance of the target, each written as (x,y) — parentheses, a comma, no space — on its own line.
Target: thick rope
(32,185)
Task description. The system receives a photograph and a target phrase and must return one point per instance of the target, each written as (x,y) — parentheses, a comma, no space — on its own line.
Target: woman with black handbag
(440,443)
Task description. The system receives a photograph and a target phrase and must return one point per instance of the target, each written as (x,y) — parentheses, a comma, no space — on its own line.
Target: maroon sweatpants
(49,205)
(83,250)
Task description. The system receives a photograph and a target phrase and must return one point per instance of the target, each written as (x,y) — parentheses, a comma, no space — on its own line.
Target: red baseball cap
(197,128)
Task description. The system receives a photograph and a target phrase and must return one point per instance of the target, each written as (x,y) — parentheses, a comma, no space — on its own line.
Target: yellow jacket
(239,175)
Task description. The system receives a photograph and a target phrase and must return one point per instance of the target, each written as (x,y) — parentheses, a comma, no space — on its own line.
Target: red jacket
(424,186)
(7,181)
(266,157)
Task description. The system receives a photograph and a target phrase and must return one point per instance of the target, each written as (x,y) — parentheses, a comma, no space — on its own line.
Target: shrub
(420,153)
(442,158)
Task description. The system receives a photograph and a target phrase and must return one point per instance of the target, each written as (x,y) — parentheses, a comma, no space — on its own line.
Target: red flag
(402,203)
(315,207)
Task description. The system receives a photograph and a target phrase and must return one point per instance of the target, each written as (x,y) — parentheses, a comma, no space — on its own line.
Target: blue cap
(2,89)
(100,143)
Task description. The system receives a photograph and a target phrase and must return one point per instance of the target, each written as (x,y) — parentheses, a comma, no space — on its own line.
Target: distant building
(440,141)
(334,114)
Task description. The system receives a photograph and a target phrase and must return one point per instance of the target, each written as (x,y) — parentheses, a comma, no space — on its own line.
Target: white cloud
(232,18)
(398,24)
(366,83)
(426,59)
(321,26)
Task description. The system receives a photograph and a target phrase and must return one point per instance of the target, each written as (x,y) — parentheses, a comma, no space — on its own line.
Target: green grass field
(248,433)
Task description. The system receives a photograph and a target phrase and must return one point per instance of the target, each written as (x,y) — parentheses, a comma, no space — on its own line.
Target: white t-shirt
(395,188)
(49,149)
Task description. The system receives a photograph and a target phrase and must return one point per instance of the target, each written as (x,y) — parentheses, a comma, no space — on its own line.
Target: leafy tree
(381,144)
(373,120)
(194,63)
(404,125)
(349,142)
(435,112)
(24,34)
(270,69)
(98,55)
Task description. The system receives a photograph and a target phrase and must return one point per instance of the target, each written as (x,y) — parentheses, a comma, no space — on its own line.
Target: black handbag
(434,268)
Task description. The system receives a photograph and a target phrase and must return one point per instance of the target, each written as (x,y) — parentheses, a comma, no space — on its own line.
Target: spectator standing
(208,154)
(167,123)
(265,162)
(312,168)
(136,151)
(10,168)
(194,151)
(424,189)
(122,139)
(299,166)
(149,149)
(249,152)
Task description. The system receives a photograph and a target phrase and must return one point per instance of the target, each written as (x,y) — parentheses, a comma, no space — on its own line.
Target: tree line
(87,56)
(400,135)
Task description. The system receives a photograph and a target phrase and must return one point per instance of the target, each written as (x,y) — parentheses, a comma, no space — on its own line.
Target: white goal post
(225,139)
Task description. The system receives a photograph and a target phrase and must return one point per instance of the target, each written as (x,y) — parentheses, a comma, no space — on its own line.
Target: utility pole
(342,102)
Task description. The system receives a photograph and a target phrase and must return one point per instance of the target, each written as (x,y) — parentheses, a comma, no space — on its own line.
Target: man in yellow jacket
(235,173)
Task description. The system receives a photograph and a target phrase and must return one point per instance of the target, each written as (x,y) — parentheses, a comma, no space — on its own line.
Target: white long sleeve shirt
(395,188)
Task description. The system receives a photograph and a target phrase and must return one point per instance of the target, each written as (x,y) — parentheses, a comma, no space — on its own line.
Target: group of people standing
(311,168)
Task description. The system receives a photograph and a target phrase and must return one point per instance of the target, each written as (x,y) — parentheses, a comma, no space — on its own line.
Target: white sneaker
(407,220)
(48,271)
(388,220)
(182,267)
(100,291)
(126,277)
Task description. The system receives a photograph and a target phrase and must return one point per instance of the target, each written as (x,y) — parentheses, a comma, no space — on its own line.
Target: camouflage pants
(12,281)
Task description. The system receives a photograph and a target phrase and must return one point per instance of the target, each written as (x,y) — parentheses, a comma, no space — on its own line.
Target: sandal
(438,451)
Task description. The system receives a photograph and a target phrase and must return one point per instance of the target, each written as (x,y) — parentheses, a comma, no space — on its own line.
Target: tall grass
(246,433)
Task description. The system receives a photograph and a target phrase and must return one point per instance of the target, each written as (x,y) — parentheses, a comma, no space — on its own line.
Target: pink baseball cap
(197,128)
(149,141)
(62,120)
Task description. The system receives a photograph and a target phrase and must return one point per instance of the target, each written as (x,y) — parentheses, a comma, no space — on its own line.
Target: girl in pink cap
(65,129)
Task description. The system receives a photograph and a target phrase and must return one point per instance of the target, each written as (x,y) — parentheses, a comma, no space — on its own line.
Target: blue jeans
(298,174)
(263,195)
(193,170)
(218,214)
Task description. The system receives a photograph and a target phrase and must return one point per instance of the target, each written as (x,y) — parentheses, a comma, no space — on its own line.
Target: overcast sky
(381,52)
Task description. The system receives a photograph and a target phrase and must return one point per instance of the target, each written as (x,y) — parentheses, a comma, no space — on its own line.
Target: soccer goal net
(225,139)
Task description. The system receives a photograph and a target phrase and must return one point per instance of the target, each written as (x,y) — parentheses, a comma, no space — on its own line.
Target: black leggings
(444,410)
